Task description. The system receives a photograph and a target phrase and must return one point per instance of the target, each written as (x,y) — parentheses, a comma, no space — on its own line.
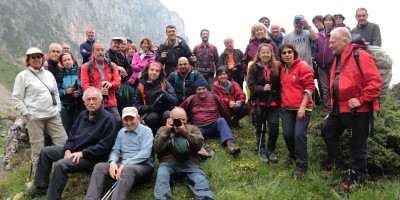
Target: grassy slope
(230,178)
(8,72)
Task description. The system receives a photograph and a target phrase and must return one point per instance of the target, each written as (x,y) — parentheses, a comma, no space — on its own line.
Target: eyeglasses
(287,52)
(36,57)
(338,17)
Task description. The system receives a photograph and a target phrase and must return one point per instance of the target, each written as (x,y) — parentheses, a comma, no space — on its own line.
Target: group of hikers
(121,107)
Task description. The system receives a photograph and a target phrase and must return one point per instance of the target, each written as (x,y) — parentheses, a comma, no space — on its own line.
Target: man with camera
(102,74)
(302,36)
(176,145)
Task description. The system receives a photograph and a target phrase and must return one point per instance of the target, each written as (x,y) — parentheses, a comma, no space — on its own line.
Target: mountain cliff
(26,23)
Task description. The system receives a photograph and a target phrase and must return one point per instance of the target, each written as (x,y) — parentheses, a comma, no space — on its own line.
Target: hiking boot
(290,161)
(37,192)
(272,157)
(262,156)
(351,181)
(205,153)
(298,174)
(233,148)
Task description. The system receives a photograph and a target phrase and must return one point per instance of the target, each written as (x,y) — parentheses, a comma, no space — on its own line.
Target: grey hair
(55,45)
(258,26)
(177,110)
(228,38)
(91,90)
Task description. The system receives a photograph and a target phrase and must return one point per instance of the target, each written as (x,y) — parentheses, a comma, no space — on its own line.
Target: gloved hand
(145,109)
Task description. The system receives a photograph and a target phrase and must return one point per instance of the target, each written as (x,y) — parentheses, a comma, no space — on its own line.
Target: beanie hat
(201,82)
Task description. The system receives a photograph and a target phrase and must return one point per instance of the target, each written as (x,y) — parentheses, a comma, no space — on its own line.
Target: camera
(177,122)
(268,82)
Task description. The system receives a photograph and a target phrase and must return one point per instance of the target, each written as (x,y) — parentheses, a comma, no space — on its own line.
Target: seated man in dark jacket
(186,163)
(89,142)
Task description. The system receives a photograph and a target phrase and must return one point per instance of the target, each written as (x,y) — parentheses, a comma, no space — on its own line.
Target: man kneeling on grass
(176,145)
(132,152)
(89,142)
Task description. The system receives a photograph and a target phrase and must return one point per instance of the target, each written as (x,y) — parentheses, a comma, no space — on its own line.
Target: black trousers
(333,129)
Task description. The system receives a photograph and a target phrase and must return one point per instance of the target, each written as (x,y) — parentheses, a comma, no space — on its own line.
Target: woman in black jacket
(265,87)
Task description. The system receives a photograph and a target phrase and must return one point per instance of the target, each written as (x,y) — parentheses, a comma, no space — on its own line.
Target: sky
(227,18)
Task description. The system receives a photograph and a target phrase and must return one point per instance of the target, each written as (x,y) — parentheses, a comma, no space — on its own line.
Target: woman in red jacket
(232,95)
(297,88)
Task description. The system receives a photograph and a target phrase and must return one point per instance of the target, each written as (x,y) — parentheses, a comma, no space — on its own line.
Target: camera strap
(51,93)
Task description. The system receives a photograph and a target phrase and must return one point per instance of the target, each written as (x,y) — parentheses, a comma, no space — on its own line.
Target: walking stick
(110,191)
(152,105)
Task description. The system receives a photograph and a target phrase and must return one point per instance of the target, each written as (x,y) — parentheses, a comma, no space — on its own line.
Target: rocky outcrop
(38,23)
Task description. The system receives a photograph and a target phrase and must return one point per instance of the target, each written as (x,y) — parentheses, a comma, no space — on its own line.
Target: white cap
(117,38)
(129,111)
(33,50)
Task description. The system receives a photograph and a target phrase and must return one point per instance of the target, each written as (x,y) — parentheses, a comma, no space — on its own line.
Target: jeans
(131,174)
(333,129)
(62,167)
(221,127)
(197,180)
(295,134)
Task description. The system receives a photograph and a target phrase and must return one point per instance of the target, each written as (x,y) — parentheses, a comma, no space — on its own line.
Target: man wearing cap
(86,47)
(171,164)
(370,31)
(89,142)
(117,57)
(101,76)
(35,96)
(183,79)
(130,159)
(302,36)
(208,112)
(339,18)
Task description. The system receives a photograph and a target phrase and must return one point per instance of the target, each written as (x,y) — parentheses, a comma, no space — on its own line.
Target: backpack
(176,80)
(180,147)
(90,69)
(143,95)
(382,60)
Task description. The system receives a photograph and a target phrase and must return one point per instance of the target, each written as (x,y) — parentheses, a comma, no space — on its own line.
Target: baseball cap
(33,50)
(117,38)
(129,111)
(339,15)
(298,17)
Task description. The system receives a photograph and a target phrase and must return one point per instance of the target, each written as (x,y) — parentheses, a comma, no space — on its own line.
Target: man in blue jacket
(89,142)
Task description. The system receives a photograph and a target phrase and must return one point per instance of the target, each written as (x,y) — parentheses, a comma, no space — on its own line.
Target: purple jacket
(251,51)
(323,53)
(138,64)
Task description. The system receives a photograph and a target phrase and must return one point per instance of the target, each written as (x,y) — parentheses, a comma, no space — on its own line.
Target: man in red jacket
(354,92)
(98,73)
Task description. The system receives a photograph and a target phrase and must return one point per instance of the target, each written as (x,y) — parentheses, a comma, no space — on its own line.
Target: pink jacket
(138,64)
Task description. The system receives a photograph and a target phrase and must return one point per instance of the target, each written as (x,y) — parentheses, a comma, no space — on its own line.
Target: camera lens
(177,122)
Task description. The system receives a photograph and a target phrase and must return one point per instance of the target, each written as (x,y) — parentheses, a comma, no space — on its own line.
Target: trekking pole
(152,105)
(110,191)
(259,142)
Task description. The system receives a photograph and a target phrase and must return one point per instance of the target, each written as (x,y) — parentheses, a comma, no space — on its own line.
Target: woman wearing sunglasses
(297,88)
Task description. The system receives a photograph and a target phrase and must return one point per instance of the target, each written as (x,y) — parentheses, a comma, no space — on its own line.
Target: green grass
(231,178)
(8,72)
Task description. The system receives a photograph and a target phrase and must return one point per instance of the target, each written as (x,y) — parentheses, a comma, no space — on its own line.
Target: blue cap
(298,17)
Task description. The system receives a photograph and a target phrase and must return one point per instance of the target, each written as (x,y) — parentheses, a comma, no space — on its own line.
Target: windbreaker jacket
(237,93)
(296,79)
(324,55)
(139,64)
(352,84)
(94,80)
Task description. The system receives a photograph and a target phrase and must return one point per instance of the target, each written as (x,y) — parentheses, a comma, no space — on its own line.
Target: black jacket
(173,54)
(256,82)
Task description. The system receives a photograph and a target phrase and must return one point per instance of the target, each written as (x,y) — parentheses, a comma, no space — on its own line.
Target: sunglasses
(287,52)
(36,57)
